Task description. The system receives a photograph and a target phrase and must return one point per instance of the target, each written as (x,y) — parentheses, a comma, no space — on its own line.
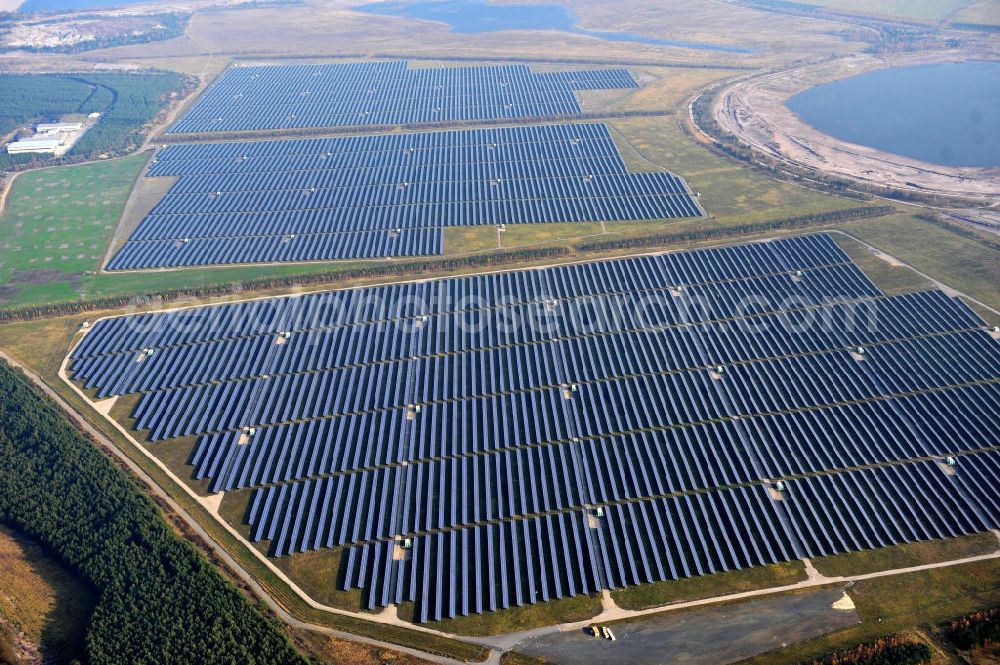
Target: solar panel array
(386,195)
(491,441)
(387,93)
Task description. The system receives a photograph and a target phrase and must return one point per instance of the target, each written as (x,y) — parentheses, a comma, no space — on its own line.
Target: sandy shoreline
(755,111)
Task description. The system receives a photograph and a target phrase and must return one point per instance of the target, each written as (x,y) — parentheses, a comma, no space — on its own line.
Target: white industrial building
(58,127)
(49,137)
(33,145)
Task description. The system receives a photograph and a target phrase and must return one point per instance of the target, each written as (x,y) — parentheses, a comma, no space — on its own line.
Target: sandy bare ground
(9,5)
(754,110)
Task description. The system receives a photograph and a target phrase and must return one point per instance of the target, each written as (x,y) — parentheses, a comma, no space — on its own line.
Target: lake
(946,113)
(475,16)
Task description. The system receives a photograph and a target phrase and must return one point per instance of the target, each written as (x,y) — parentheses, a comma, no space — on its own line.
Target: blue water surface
(947,113)
(474,16)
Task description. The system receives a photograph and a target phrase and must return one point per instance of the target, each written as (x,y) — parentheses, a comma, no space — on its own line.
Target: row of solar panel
(442,494)
(649,327)
(301,181)
(651,273)
(456,93)
(584,137)
(288,117)
(318,100)
(430,165)
(521,562)
(547,99)
(454,82)
(246,99)
(397,74)
(568,181)
(708,455)
(413,230)
(617,351)
(395,218)
(505,194)
(611,404)
(140,254)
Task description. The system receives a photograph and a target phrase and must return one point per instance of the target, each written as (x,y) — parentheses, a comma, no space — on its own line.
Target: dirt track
(754,110)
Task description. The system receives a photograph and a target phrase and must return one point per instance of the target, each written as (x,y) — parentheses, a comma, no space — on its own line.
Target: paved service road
(711,636)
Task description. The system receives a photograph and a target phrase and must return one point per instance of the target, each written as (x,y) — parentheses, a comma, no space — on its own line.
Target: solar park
(255,98)
(385,195)
(648,418)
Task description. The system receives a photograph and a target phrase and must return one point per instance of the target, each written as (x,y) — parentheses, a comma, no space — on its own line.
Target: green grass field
(906,555)
(56,225)
(960,262)
(694,588)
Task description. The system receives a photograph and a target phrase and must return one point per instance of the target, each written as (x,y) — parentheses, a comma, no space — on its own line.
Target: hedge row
(892,650)
(800,221)
(613,62)
(354,130)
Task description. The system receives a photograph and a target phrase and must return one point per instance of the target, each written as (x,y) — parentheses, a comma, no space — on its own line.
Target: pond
(946,113)
(474,16)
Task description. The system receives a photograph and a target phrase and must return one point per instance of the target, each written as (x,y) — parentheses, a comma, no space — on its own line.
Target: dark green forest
(159,599)
(127,101)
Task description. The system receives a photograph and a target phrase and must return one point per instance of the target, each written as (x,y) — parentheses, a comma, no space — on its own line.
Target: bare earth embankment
(754,110)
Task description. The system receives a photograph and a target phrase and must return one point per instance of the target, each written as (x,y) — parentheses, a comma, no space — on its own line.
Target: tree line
(354,130)
(159,599)
(785,223)
(892,650)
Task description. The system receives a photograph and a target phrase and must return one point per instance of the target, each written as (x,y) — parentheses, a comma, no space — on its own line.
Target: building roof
(58,126)
(33,145)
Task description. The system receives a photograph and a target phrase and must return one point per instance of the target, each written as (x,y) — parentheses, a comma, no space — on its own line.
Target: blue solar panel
(254,98)
(384,196)
(361,417)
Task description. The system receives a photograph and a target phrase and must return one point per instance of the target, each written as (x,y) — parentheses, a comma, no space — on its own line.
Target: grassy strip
(963,263)
(516,619)
(695,588)
(395,269)
(355,130)
(737,231)
(906,555)
(964,230)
